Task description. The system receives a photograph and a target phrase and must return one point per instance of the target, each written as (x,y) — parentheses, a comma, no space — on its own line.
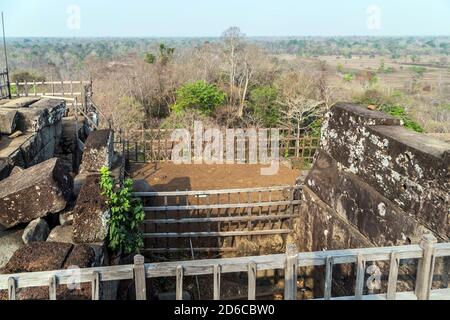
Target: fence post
(139,277)
(424,270)
(290,273)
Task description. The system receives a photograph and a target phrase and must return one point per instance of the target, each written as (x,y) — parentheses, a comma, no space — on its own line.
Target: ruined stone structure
(34,128)
(44,224)
(374,183)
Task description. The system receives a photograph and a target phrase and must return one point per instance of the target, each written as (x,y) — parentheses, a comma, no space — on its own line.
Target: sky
(209,18)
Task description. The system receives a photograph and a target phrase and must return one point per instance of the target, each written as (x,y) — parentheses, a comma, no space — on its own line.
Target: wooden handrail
(13,282)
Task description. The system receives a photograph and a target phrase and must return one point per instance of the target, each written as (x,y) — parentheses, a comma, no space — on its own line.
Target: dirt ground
(172,177)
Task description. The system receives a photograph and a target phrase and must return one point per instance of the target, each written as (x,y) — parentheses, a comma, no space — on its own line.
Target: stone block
(23,102)
(10,242)
(61,234)
(36,231)
(8,121)
(98,151)
(47,256)
(47,184)
(91,214)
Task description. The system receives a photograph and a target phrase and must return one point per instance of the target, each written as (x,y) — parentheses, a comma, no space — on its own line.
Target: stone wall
(36,134)
(373,183)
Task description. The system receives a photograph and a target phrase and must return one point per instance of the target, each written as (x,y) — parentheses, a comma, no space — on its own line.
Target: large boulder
(8,121)
(98,151)
(36,231)
(10,242)
(41,114)
(35,192)
(91,214)
(47,256)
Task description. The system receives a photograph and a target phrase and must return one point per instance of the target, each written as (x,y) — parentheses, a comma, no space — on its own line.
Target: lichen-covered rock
(98,151)
(34,193)
(373,183)
(91,214)
(36,231)
(47,256)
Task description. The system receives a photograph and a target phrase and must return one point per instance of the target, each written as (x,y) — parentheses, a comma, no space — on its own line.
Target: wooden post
(252,281)
(139,277)
(359,286)
(328,278)
(424,270)
(393,276)
(12,288)
(179,283)
(290,273)
(217,271)
(52,288)
(95,285)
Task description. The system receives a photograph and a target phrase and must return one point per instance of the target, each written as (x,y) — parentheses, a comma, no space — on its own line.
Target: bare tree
(232,38)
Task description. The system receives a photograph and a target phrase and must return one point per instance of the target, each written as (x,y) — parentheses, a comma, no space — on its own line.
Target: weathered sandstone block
(8,121)
(47,256)
(36,231)
(34,192)
(98,151)
(91,214)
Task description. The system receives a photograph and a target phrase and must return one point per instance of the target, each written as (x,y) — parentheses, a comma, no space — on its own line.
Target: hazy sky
(168,18)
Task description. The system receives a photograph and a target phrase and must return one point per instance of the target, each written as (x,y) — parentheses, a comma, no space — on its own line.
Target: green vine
(126,214)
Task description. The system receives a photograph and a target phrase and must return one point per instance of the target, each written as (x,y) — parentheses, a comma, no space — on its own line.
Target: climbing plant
(126,214)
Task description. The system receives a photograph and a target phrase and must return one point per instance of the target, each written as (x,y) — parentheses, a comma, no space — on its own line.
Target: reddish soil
(172,177)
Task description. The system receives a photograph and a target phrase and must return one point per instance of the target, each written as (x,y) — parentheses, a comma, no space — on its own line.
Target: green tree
(264,106)
(198,95)
(150,58)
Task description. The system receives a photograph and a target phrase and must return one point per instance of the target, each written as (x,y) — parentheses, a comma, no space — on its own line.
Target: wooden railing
(426,253)
(70,88)
(156,145)
(230,212)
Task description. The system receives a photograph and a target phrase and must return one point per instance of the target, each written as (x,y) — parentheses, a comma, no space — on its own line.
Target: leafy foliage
(390,105)
(198,95)
(264,106)
(126,214)
(400,112)
(348,77)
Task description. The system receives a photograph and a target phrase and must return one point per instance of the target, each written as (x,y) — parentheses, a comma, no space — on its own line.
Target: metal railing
(426,253)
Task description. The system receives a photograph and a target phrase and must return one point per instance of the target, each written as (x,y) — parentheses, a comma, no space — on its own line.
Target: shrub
(348,77)
(126,214)
(200,96)
(390,105)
